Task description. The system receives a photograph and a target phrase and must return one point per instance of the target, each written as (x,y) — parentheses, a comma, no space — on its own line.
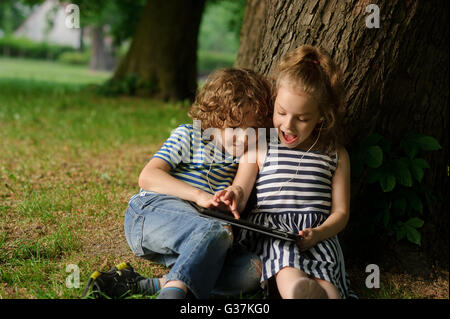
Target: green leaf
(417,166)
(416,203)
(387,182)
(420,162)
(428,143)
(400,232)
(410,149)
(413,235)
(373,175)
(372,139)
(399,205)
(404,177)
(373,156)
(414,222)
(417,173)
(402,173)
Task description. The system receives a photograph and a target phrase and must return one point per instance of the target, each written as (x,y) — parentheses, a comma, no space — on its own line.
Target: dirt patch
(399,284)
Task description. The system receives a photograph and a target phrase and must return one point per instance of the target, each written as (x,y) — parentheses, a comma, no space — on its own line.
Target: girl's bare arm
(237,195)
(340,199)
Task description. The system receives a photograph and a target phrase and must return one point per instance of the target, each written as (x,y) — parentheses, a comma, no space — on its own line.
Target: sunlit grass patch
(69,164)
(49,71)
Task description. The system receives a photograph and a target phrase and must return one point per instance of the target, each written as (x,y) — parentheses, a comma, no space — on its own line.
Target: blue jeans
(199,250)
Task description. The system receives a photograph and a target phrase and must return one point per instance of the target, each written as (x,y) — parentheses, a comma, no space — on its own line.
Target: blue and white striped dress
(304,201)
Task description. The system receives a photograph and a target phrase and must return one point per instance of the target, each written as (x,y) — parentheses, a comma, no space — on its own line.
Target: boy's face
(236,140)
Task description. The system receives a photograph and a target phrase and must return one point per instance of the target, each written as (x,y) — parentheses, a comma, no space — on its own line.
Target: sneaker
(120,281)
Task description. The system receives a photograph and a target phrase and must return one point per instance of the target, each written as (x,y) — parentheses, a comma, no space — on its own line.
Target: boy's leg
(241,274)
(170,231)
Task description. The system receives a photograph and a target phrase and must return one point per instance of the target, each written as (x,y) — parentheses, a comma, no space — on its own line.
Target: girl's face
(295,117)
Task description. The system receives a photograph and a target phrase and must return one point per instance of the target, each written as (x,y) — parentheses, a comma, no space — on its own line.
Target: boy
(162,223)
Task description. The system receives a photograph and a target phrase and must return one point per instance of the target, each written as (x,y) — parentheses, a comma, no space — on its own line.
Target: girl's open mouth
(289,138)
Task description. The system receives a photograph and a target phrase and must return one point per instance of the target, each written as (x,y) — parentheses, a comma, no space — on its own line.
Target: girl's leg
(330,289)
(293,283)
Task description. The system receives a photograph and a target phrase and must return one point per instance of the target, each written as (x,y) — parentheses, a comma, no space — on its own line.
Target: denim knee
(219,232)
(241,274)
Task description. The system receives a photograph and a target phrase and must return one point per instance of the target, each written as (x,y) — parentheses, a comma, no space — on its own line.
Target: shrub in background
(25,48)
(391,175)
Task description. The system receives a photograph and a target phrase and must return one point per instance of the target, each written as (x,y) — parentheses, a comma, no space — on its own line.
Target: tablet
(242,223)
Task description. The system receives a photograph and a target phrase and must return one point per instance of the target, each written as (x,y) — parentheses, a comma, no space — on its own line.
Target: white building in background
(46,23)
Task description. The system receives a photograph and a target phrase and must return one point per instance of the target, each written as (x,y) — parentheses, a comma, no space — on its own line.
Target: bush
(78,58)
(25,48)
(392,173)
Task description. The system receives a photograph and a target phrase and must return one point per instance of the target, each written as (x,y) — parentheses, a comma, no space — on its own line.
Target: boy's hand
(231,197)
(204,200)
(309,238)
(207,200)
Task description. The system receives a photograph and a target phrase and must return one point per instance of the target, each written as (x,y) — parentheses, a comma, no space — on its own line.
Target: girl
(303,184)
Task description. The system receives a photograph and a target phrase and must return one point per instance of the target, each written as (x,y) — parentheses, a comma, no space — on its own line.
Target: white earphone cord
(296,172)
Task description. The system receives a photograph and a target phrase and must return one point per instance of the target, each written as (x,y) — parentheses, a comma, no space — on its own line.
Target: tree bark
(163,54)
(396,76)
(99,55)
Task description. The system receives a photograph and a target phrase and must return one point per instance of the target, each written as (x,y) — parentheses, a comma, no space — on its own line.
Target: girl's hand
(231,197)
(310,237)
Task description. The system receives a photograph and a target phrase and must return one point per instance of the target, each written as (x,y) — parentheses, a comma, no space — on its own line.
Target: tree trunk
(102,57)
(162,58)
(97,61)
(396,76)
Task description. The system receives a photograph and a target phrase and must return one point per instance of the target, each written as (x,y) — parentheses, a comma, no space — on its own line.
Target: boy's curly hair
(230,95)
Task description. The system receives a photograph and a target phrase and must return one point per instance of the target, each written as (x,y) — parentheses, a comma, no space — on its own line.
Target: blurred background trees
(158,59)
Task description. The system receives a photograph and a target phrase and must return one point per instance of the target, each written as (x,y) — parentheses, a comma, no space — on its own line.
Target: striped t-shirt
(196,160)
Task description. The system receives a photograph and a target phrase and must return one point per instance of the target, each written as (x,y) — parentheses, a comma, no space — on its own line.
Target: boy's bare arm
(155,177)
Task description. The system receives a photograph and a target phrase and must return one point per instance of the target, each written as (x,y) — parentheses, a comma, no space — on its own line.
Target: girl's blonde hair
(230,95)
(311,70)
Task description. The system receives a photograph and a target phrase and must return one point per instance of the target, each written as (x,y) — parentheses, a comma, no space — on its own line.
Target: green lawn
(47,71)
(69,163)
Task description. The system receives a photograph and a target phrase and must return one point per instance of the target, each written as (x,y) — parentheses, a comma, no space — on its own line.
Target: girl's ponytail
(312,71)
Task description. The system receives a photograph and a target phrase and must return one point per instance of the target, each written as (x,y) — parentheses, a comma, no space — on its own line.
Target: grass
(47,71)
(69,163)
